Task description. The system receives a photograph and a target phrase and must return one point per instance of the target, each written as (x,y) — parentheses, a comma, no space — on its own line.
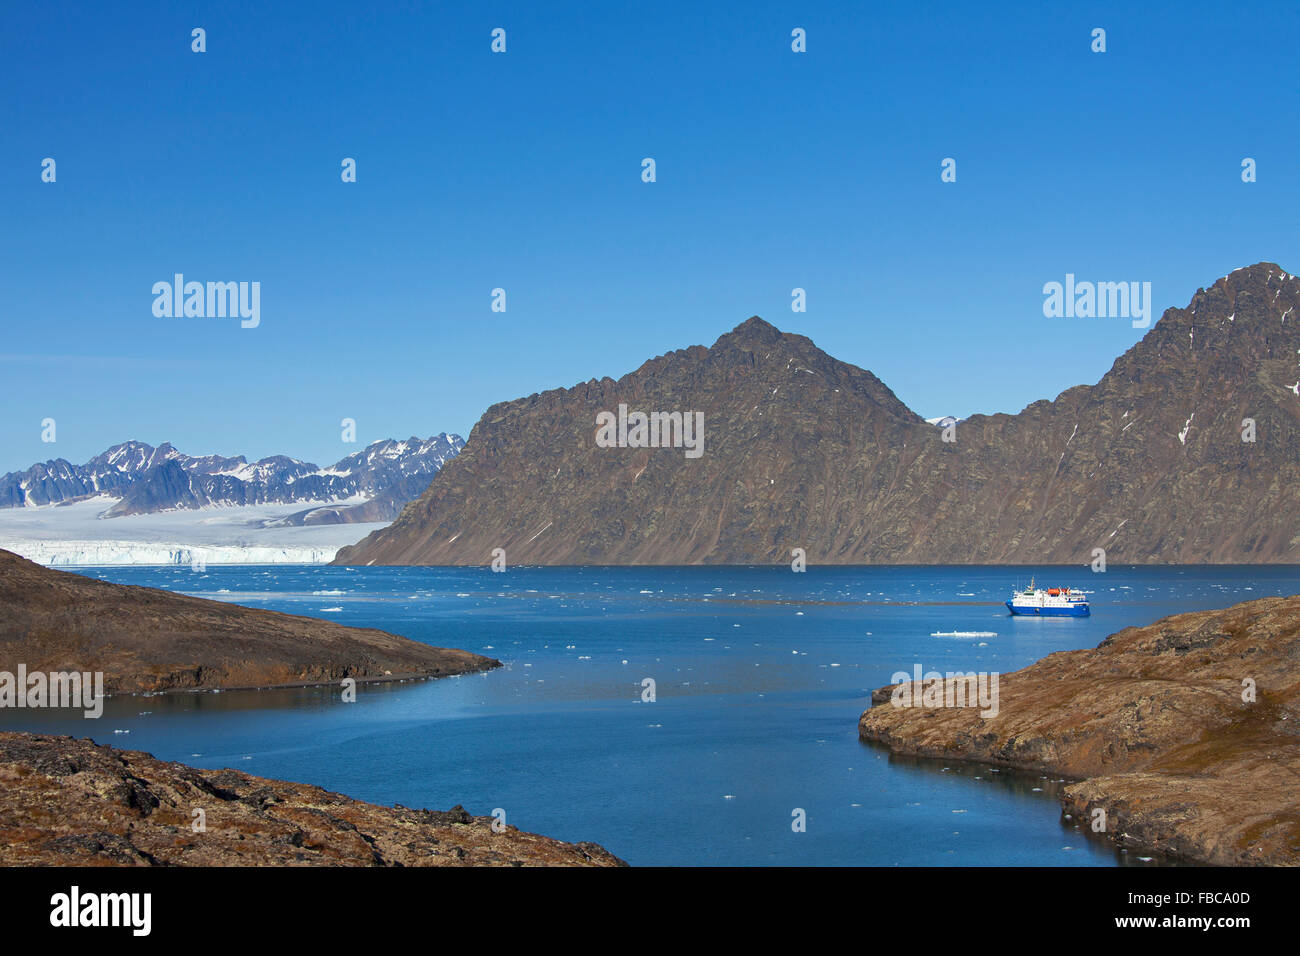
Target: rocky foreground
(144,639)
(1159,727)
(68,802)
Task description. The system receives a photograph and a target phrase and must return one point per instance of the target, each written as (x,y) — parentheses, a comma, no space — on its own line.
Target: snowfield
(74,534)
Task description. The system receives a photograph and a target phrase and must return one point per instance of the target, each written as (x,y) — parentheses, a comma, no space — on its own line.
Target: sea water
(759,677)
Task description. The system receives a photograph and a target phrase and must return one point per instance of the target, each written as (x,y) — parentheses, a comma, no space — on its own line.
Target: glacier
(74,535)
(91,553)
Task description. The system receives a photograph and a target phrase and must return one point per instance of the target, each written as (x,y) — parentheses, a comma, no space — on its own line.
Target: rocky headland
(149,640)
(1185,732)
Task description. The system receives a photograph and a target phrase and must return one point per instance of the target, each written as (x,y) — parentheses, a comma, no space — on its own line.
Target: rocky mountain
(144,639)
(146,480)
(1183,734)
(804,451)
(59,480)
(67,802)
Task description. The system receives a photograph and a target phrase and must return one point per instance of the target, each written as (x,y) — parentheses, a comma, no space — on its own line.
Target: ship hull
(1030,611)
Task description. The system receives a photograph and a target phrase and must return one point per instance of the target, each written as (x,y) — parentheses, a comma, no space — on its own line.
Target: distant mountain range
(147,480)
(1155,463)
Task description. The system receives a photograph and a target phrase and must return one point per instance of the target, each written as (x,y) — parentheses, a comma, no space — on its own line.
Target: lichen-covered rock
(70,802)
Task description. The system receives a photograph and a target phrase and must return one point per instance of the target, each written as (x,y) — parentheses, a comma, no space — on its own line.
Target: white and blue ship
(1052,602)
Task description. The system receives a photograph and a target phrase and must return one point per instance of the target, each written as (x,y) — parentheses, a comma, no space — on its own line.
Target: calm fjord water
(760,675)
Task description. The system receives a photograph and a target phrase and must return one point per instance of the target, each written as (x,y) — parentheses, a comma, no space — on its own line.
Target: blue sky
(522,170)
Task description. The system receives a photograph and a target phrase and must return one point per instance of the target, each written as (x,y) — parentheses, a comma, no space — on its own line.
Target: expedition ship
(1053,602)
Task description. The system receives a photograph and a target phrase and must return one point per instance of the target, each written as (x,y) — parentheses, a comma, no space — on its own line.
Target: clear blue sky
(478,170)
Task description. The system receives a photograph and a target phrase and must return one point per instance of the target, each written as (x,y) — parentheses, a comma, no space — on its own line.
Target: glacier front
(74,534)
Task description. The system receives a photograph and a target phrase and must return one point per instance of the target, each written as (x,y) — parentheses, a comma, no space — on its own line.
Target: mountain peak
(1259,268)
(1248,275)
(754,330)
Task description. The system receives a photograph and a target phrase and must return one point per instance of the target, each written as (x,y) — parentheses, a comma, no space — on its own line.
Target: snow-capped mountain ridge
(148,479)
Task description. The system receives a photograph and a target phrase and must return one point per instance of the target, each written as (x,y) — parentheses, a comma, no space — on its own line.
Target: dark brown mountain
(802,450)
(143,639)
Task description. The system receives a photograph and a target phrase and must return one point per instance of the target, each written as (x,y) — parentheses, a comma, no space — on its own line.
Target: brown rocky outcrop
(1156,726)
(144,639)
(68,802)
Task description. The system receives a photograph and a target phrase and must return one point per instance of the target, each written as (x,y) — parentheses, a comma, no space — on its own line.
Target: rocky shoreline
(145,640)
(1183,736)
(71,802)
